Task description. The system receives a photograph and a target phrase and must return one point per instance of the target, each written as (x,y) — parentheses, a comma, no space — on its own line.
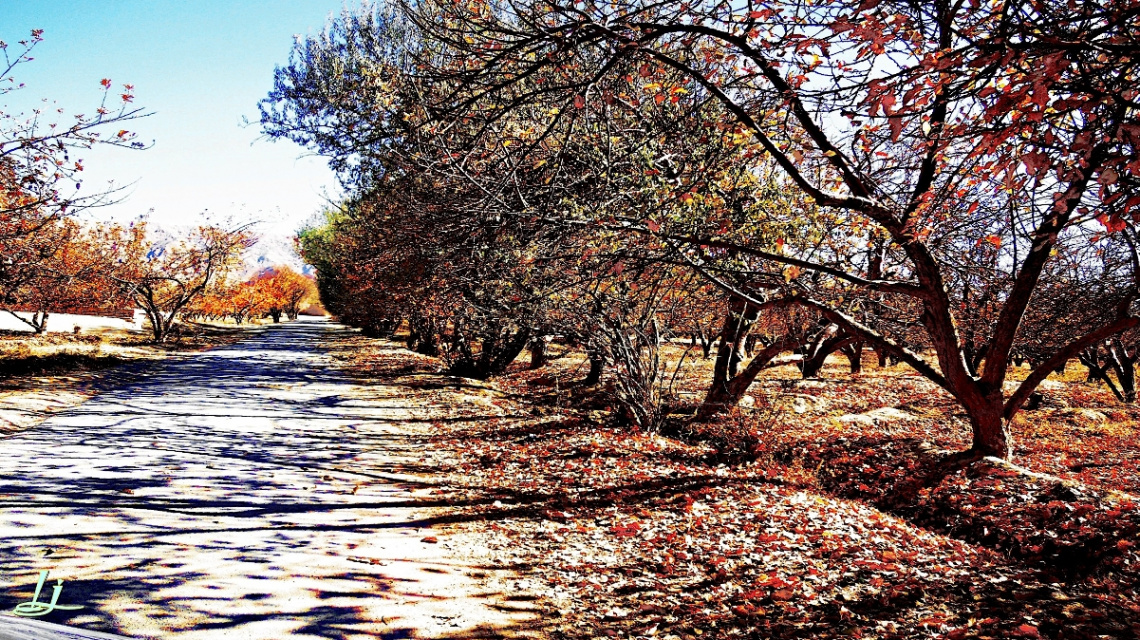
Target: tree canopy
(936,181)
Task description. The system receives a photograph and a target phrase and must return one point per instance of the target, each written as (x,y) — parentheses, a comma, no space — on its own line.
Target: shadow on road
(251,491)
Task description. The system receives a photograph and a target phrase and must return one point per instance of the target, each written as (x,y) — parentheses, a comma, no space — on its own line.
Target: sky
(201,67)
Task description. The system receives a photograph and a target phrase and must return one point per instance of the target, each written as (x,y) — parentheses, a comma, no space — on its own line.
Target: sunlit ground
(247,492)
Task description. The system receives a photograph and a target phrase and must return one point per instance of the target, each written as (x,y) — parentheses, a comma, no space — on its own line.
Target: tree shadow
(230,492)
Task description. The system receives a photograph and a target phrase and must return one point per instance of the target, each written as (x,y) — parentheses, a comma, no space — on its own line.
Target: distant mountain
(274,249)
(271,249)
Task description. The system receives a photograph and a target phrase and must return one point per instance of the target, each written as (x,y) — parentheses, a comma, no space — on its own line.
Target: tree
(286,291)
(63,267)
(40,177)
(597,169)
(1013,117)
(244,300)
(165,277)
(937,167)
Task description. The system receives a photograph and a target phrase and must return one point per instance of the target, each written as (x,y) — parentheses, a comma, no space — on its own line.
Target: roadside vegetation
(57,261)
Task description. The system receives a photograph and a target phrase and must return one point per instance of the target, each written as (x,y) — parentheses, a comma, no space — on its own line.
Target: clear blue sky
(201,66)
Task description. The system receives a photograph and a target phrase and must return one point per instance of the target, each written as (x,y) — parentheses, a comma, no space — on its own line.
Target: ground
(828,508)
(249,491)
(41,375)
(823,511)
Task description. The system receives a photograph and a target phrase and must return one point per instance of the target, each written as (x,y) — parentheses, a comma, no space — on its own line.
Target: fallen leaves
(819,531)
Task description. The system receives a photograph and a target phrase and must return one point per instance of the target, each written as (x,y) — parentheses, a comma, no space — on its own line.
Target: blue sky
(201,66)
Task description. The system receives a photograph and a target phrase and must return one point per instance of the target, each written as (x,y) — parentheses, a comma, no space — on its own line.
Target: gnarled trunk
(1124,364)
(854,353)
(423,336)
(882,356)
(737,323)
(824,345)
(499,344)
(725,393)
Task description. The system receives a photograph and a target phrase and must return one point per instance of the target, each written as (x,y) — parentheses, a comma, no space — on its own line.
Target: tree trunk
(538,353)
(1127,377)
(159,328)
(990,429)
(423,336)
(737,321)
(597,363)
(706,343)
(750,342)
(718,400)
(500,350)
(40,322)
(973,357)
(814,359)
(854,353)
(726,393)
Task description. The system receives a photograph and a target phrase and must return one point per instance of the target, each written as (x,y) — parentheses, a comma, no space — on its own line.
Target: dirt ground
(41,375)
(821,509)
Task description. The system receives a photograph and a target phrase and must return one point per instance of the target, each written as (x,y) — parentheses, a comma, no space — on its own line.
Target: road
(252,491)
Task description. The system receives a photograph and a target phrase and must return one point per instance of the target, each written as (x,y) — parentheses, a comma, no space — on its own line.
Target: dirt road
(248,492)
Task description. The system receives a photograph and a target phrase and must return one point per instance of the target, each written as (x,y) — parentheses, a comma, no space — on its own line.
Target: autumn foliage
(941,195)
(275,292)
(922,180)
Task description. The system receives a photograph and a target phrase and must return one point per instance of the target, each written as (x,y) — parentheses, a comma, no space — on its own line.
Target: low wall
(66,322)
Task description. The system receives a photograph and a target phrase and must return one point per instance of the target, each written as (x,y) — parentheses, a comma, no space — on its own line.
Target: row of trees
(66,266)
(274,292)
(950,184)
(50,261)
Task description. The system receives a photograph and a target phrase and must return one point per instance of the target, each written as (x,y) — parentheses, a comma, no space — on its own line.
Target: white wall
(66,322)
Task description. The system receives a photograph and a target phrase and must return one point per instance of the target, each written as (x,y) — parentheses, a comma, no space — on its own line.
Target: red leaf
(1026,631)
(896,128)
(1111,224)
(627,530)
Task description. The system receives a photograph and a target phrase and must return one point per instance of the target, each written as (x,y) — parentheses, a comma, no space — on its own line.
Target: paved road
(244,492)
